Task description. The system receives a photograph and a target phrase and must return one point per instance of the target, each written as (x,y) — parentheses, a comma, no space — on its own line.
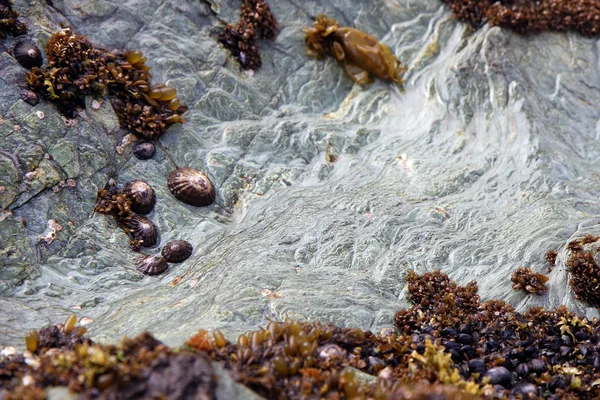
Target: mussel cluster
(537,354)
(531,16)
(138,368)
(531,282)
(256,21)
(77,68)
(9,23)
(449,347)
(126,206)
(585,272)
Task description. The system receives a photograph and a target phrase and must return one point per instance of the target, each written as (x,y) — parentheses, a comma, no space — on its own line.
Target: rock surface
(327,192)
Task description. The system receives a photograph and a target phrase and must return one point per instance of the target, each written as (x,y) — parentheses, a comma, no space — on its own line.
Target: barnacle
(256,21)
(77,68)
(361,54)
(531,16)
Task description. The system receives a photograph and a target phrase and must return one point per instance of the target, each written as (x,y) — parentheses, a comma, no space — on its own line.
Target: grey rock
(328,193)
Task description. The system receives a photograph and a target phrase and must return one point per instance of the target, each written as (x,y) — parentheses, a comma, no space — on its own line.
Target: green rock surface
(484,162)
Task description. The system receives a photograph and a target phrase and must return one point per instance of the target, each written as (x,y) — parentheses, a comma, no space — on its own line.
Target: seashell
(142,229)
(498,376)
(191,187)
(151,265)
(144,150)
(141,195)
(177,251)
(28,54)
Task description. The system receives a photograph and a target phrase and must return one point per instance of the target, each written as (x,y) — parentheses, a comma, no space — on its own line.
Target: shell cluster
(191,187)
(256,21)
(175,251)
(122,203)
(531,16)
(531,282)
(77,68)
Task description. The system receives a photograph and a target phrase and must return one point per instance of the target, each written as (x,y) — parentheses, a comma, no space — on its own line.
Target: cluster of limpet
(126,205)
(256,21)
(361,54)
(175,251)
(531,16)
(9,23)
(531,282)
(77,68)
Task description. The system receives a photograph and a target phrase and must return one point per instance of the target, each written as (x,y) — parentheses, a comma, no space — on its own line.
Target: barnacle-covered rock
(191,187)
(361,53)
(176,251)
(256,21)
(531,282)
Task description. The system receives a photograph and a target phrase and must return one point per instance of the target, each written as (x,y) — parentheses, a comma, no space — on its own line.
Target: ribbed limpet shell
(191,187)
(141,195)
(28,54)
(177,251)
(151,265)
(142,229)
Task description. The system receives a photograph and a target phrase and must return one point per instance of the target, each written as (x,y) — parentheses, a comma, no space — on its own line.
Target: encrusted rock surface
(328,193)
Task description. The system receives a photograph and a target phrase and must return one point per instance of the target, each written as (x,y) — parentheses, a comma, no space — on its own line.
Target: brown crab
(361,53)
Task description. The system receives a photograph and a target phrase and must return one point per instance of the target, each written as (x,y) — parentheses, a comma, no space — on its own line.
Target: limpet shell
(151,265)
(143,230)
(141,195)
(28,54)
(177,251)
(191,187)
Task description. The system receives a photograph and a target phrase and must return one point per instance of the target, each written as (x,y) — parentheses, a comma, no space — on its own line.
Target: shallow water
(486,160)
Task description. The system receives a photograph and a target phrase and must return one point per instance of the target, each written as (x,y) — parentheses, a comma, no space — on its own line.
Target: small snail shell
(28,54)
(144,150)
(177,251)
(141,195)
(151,265)
(191,187)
